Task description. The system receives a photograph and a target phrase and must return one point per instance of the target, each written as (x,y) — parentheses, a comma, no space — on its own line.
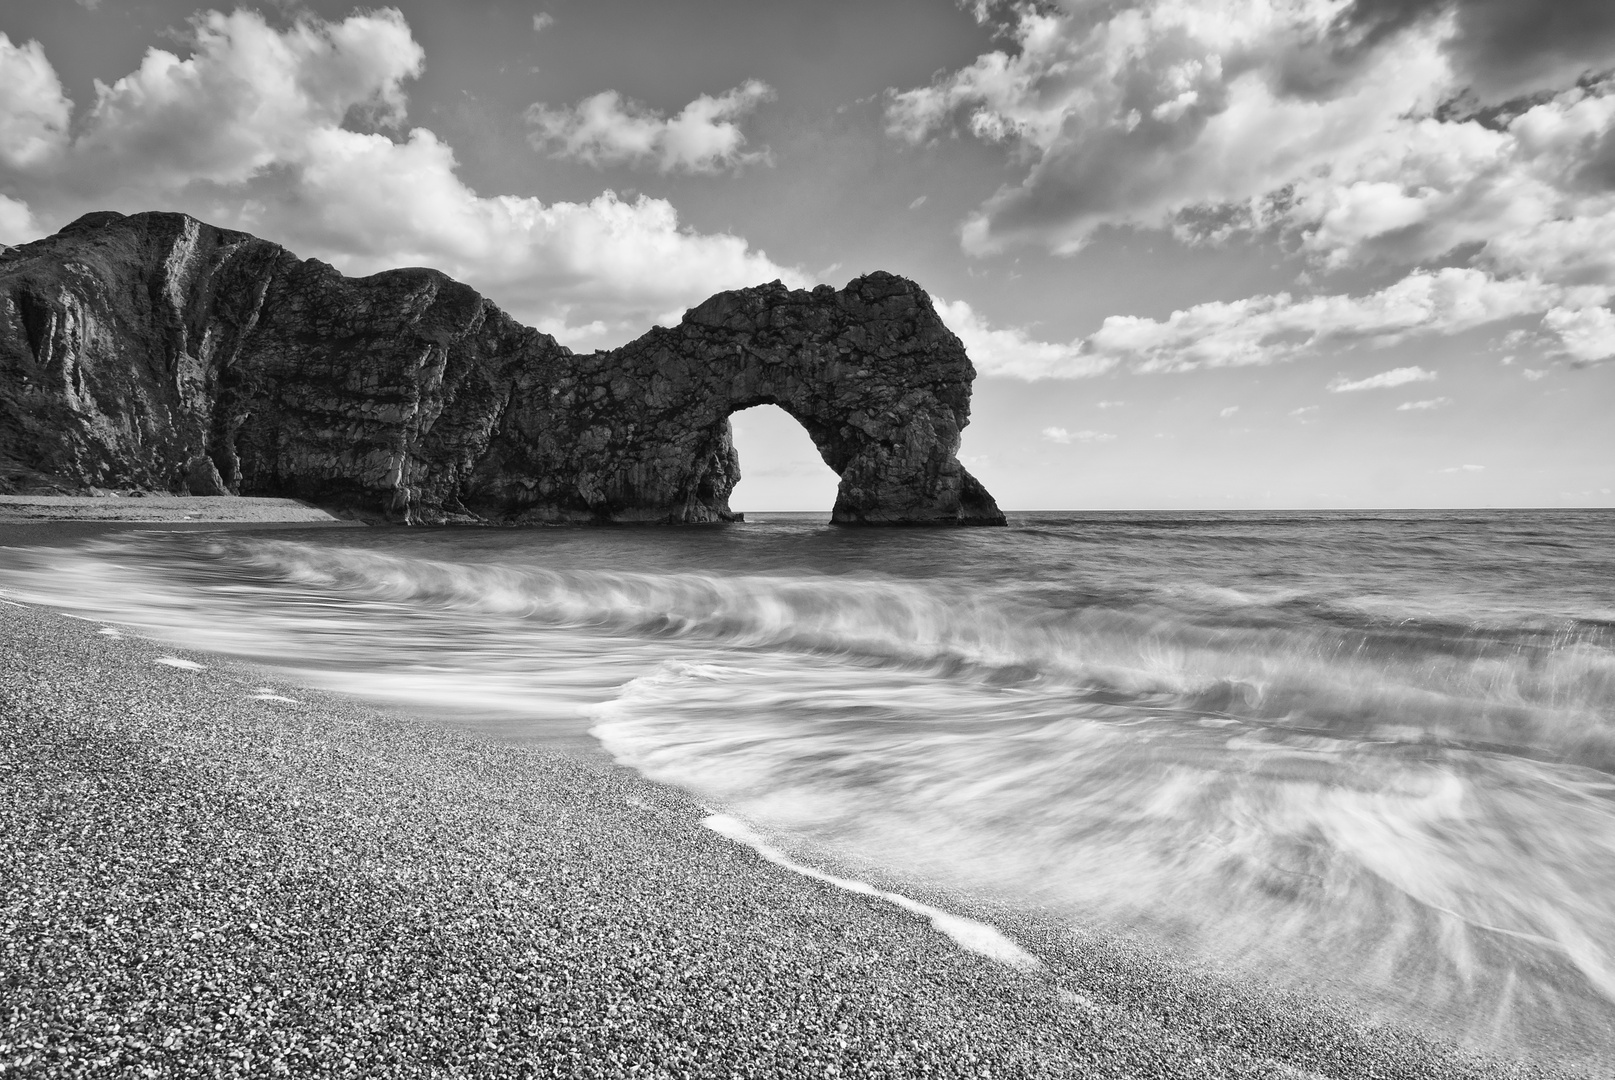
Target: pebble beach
(213,872)
(15,509)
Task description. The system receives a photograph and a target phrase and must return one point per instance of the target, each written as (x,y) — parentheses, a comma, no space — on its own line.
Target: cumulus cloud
(1065,438)
(17,224)
(1406,133)
(1499,49)
(33,110)
(1345,123)
(1395,377)
(608,129)
(1478,134)
(542,21)
(1135,112)
(1337,127)
(1423,406)
(1588,334)
(252,130)
(1012,352)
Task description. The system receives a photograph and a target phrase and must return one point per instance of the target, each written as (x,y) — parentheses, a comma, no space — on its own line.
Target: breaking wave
(1401,788)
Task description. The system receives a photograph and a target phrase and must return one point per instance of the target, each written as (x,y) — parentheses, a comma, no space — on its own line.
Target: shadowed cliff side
(159,353)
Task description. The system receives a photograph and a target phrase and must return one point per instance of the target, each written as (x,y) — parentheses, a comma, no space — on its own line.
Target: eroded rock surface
(159,353)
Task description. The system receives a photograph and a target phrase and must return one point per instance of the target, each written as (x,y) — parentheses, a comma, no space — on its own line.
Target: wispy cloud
(1063,437)
(1422,406)
(1384,380)
(1226,413)
(1013,352)
(1277,327)
(917,203)
(1464,469)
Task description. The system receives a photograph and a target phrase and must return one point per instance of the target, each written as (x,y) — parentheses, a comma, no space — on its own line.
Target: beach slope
(209,870)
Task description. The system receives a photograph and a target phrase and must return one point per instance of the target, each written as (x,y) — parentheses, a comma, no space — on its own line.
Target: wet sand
(216,872)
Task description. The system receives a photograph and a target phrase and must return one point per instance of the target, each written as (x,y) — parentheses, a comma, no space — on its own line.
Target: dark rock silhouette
(160,353)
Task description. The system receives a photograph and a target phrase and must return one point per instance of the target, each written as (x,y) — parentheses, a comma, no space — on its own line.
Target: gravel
(212,872)
(139,506)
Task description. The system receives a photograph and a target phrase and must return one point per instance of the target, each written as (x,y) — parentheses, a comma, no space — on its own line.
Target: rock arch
(870,372)
(154,351)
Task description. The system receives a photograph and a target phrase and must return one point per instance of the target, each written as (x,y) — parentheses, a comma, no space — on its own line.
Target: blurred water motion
(1370,752)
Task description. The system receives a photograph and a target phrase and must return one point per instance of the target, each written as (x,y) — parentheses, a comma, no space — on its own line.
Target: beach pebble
(195,887)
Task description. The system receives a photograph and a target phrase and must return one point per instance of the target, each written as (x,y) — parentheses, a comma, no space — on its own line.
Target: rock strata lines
(159,353)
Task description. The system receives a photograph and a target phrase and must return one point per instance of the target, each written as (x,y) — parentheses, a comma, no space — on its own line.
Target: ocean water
(1371,753)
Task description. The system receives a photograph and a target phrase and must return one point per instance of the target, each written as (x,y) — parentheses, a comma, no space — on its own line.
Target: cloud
(1110,404)
(1395,377)
(542,21)
(1423,406)
(1064,438)
(1131,113)
(917,203)
(1531,192)
(1013,352)
(608,129)
(89,5)
(1304,413)
(1465,468)
(1278,327)
(1500,49)
(1267,329)
(1474,135)
(34,112)
(17,224)
(250,130)
(1588,334)
(1387,130)
(1229,411)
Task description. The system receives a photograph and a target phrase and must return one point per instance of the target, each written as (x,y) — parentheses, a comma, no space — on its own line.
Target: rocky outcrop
(159,353)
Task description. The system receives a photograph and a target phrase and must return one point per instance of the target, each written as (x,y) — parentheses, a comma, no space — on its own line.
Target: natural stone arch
(879,383)
(156,352)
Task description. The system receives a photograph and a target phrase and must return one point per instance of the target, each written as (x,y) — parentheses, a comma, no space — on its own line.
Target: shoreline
(54,520)
(220,866)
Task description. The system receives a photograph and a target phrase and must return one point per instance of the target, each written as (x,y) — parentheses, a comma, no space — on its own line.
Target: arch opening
(780,468)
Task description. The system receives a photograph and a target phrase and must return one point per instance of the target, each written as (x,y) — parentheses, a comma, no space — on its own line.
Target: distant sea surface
(1372,752)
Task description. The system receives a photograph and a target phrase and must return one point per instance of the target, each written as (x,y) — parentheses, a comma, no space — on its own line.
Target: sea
(1366,754)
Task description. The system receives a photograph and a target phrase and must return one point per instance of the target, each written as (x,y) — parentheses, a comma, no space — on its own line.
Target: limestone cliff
(156,352)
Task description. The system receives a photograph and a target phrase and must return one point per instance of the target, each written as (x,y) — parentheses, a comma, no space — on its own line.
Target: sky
(1204,255)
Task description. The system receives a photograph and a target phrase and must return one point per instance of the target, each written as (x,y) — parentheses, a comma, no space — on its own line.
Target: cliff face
(157,352)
